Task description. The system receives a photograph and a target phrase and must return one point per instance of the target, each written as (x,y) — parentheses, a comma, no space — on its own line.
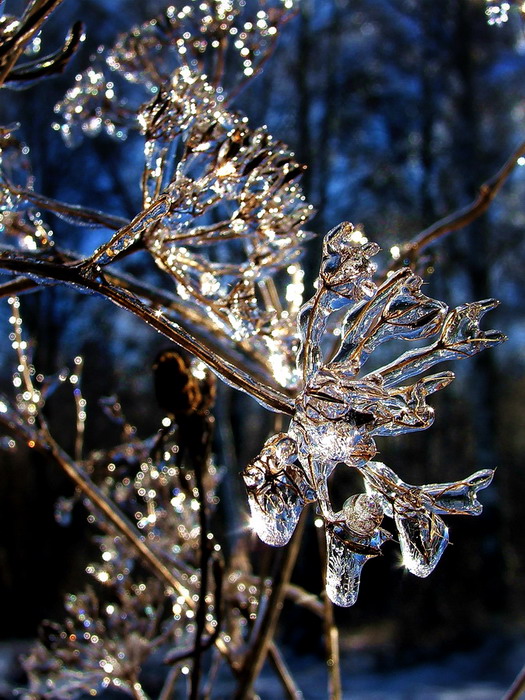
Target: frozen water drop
(423,537)
(347,553)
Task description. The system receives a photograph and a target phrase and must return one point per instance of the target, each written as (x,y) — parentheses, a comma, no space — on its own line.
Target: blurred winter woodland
(195,457)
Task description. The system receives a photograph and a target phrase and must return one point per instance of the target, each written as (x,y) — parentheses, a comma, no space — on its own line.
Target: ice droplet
(423,537)
(347,553)
(276,490)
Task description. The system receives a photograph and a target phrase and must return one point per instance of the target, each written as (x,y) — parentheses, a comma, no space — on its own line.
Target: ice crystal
(339,411)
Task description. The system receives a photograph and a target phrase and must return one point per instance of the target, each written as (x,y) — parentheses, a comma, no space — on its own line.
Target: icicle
(347,553)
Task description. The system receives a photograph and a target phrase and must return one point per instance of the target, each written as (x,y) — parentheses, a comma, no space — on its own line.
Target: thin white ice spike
(423,537)
(347,553)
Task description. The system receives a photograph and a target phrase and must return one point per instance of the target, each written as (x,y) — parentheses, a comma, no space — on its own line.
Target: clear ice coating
(222,212)
(339,411)
(277,491)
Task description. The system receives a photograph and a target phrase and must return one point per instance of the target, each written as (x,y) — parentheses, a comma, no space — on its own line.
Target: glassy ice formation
(340,409)
(223,215)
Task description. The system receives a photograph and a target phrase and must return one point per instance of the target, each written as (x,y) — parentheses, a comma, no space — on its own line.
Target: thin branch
(243,354)
(25,264)
(178,655)
(462,217)
(517,688)
(256,656)
(289,685)
(169,683)
(199,437)
(73,213)
(308,601)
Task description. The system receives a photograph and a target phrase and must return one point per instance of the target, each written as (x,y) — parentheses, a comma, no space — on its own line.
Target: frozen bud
(363,513)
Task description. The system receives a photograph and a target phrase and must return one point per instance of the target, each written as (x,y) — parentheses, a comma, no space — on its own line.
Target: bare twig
(309,601)
(169,683)
(265,631)
(517,688)
(289,685)
(200,433)
(200,325)
(410,251)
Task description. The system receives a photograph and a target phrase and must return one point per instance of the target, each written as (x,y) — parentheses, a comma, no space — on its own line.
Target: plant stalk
(256,655)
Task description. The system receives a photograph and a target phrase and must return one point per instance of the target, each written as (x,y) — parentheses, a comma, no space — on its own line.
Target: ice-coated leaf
(329,426)
(345,276)
(459,497)
(277,490)
(346,268)
(423,535)
(405,409)
(347,553)
(275,508)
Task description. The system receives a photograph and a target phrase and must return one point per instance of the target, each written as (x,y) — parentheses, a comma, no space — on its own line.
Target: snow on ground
(481,674)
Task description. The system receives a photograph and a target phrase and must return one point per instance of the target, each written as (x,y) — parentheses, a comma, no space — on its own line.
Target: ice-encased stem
(72,274)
